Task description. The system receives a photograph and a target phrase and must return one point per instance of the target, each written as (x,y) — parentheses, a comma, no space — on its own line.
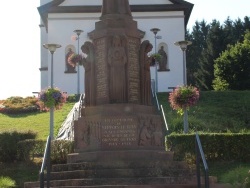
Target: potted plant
(155,58)
(51,97)
(183,97)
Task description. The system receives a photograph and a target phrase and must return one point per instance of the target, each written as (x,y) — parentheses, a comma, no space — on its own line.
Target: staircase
(126,169)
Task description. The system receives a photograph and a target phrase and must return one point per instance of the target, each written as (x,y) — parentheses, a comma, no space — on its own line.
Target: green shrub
(6,182)
(8,144)
(237,177)
(60,149)
(72,98)
(216,146)
(30,148)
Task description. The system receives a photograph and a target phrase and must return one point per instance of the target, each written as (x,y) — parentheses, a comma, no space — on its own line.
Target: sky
(20,39)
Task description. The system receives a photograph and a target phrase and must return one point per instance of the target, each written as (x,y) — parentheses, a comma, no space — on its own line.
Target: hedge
(28,149)
(8,144)
(216,146)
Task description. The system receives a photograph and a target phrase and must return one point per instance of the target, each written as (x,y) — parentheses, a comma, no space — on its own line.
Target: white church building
(60,18)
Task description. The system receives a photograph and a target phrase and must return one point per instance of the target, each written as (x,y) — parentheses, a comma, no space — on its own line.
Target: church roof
(53,7)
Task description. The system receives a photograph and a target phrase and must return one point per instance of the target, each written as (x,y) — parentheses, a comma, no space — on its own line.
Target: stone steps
(128,169)
(114,181)
(147,186)
(115,173)
(119,165)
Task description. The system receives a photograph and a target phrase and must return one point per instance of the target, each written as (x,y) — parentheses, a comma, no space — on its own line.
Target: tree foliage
(208,42)
(232,68)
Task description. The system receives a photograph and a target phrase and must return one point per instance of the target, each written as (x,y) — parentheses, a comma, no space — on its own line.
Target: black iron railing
(200,155)
(46,164)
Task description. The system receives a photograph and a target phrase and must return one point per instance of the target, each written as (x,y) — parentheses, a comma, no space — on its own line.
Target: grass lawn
(36,122)
(229,172)
(20,172)
(227,111)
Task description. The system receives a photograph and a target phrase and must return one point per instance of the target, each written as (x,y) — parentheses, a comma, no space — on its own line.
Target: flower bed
(16,105)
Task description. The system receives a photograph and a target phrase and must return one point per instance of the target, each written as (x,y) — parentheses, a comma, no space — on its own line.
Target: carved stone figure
(70,67)
(85,135)
(157,135)
(117,60)
(116,7)
(164,59)
(145,61)
(89,65)
(145,137)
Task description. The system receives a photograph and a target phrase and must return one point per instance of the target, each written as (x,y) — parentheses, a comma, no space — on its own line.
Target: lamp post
(78,33)
(52,48)
(155,31)
(183,46)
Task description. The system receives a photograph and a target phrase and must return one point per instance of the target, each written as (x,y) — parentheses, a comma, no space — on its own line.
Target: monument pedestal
(119,127)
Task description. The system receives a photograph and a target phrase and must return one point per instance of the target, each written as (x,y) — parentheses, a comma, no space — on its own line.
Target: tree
(215,44)
(208,42)
(232,68)
(198,38)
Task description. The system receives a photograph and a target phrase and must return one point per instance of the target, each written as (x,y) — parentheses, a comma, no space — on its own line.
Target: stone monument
(118,114)
(119,138)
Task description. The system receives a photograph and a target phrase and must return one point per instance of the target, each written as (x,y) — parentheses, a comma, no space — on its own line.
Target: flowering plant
(183,97)
(155,58)
(51,97)
(73,59)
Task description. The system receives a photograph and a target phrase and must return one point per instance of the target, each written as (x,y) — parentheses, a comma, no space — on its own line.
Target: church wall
(61,32)
(171,30)
(44,59)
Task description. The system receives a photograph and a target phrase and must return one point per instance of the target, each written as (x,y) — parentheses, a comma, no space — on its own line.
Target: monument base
(120,156)
(119,127)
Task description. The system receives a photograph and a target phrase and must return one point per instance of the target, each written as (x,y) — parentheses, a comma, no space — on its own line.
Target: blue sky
(20,39)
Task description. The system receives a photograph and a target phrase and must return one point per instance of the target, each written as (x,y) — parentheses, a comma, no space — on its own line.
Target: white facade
(59,29)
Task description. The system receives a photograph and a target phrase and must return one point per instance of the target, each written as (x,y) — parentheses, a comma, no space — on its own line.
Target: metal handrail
(157,102)
(200,153)
(164,118)
(46,163)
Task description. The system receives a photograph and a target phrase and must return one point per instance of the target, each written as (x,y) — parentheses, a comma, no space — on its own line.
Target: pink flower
(183,97)
(74,59)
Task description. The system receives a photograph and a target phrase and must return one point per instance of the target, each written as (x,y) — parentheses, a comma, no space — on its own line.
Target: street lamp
(155,31)
(78,33)
(52,48)
(183,46)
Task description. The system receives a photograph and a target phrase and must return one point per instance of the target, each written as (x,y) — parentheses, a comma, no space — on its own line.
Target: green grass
(18,173)
(227,111)
(36,122)
(230,172)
